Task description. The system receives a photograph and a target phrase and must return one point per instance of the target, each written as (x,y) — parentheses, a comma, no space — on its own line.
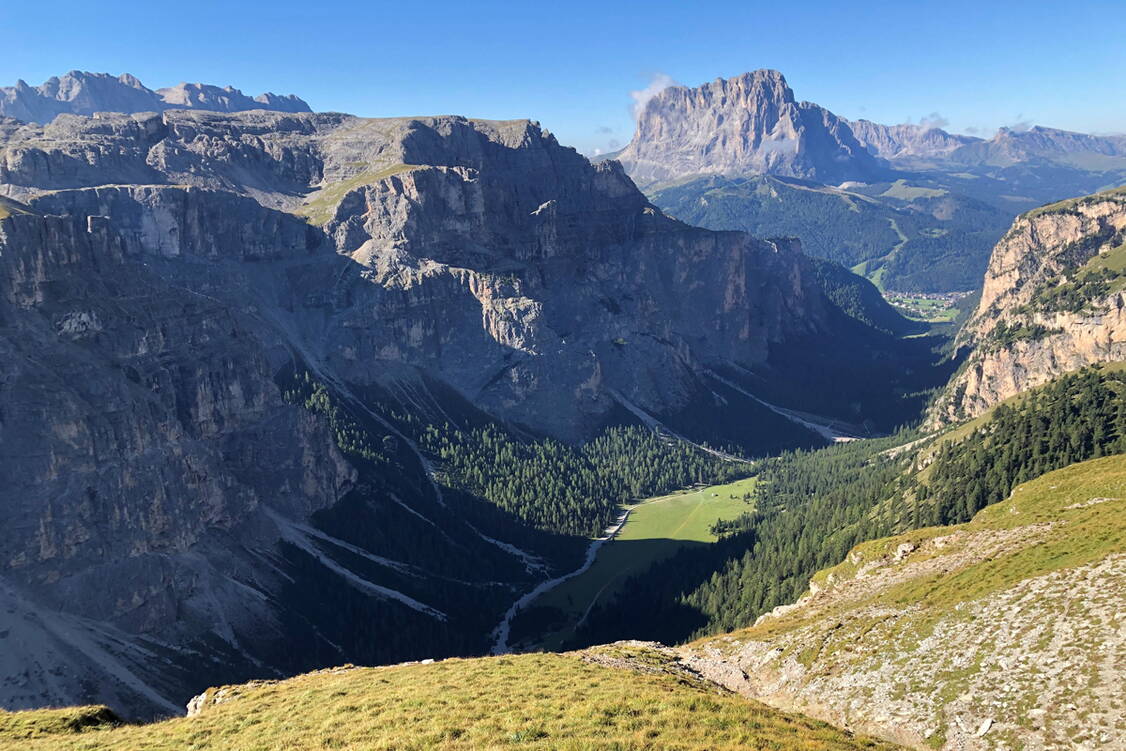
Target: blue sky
(572,66)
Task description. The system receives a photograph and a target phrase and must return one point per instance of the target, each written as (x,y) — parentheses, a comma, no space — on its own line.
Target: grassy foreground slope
(1003,632)
(540,701)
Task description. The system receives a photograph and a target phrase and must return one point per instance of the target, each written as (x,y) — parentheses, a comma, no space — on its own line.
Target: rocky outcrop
(498,260)
(1053,301)
(751,124)
(140,431)
(919,146)
(83,93)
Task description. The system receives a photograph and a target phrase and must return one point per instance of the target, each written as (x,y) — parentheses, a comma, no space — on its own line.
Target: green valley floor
(656,529)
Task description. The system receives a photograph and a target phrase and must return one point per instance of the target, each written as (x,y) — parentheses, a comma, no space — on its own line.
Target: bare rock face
(82,93)
(1053,301)
(746,125)
(140,432)
(919,146)
(752,125)
(482,252)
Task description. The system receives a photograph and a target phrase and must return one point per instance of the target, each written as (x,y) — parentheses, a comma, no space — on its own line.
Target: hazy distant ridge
(84,93)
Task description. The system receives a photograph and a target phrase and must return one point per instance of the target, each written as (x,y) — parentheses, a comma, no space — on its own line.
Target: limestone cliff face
(158,274)
(537,286)
(751,124)
(483,252)
(1052,301)
(141,431)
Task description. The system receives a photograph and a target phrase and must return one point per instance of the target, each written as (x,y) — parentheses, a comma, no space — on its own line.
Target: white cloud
(779,146)
(933,120)
(658,83)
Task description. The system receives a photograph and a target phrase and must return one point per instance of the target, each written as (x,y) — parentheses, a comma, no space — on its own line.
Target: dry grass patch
(20,726)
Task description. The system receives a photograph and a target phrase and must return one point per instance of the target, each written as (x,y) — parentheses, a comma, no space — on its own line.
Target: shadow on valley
(872,379)
(810,509)
(652,605)
(555,626)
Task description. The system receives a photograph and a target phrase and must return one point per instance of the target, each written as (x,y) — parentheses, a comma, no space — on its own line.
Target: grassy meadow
(657,528)
(321,205)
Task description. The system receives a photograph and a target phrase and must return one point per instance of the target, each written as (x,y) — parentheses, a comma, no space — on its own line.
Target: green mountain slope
(900,236)
(860,299)
(1004,632)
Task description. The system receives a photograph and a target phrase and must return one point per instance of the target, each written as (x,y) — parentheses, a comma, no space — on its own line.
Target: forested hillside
(904,238)
(812,507)
(572,489)
(1072,419)
(550,486)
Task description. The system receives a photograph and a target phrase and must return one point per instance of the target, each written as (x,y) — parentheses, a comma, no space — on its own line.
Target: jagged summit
(1015,145)
(913,145)
(748,124)
(84,93)
(752,124)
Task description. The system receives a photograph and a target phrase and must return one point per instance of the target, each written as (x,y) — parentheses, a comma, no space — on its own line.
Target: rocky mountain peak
(130,80)
(226,99)
(755,86)
(750,124)
(1041,140)
(84,93)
